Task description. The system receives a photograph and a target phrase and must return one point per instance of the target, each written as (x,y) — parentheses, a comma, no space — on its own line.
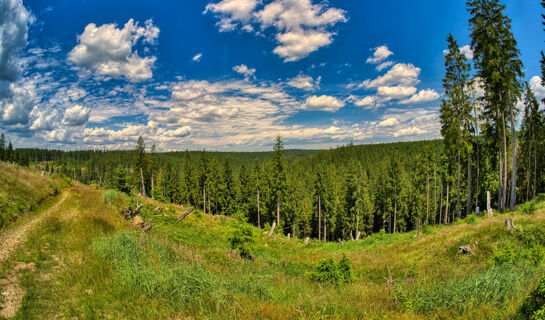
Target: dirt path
(14,237)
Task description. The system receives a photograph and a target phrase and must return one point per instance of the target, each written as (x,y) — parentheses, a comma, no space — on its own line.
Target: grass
(23,190)
(91,264)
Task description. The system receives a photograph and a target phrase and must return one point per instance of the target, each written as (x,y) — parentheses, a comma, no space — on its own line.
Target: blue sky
(232,74)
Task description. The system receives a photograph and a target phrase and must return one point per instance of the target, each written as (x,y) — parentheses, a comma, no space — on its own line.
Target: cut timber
(130,213)
(185,213)
(272,229)
(466,250)
(509,224)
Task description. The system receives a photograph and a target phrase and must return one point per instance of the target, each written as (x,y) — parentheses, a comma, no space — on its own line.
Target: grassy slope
(21,190)
(90,263)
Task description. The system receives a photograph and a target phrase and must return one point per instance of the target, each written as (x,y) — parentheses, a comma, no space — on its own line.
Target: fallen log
(466,249)
(272,229)
(185,213)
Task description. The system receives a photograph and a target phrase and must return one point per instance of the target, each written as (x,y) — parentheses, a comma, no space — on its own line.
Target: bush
(327,271)
(345,268)
(471,219)
(110,196)
(528,207)
(534,306)
(242,239)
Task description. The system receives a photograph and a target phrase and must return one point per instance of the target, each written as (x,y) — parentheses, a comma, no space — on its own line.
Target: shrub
(541,197)
(327,271)
(534,306)
(345,269)
(471,219)
(242,239)
(528,207)
(110,196)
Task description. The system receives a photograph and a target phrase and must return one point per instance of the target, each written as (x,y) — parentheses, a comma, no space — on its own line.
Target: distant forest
(355,190)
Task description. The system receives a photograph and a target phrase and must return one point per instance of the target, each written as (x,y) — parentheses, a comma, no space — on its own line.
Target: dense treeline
(9,154)
(352,191)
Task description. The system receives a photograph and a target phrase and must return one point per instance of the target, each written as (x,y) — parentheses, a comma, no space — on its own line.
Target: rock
(137,221)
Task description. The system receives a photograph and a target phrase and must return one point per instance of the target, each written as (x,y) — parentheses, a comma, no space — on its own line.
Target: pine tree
(278,176)
(141,163)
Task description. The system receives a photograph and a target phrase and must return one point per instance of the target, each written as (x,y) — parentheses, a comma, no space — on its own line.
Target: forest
(493,140)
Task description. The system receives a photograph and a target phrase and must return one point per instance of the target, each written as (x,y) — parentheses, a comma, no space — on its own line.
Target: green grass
(91,264)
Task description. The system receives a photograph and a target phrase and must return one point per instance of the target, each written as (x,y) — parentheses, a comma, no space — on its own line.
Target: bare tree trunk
(505,169)
(258,210)
(325,228)
(208,192)
(458,189)
(278,210)
(441,203)
(319,217)
(469,183)
(142,182)
(435,196)
(500,183)
(152,185)
(395,214)
(427,197)
(357,223)
(446,209)
(204,200)
(514,146)
(535,167)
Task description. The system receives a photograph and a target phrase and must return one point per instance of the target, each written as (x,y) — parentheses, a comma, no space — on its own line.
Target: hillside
(84,260)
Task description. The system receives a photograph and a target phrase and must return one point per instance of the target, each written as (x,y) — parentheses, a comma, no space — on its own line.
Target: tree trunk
(278,210)
(319,217)
(500,183)
(505,171)
(469,183)
(258,212)
(142,182)
(395,214)
(152,186)
(427,197)
(458,209)
(446,209)
(535,168)
(204,200)
(325,228)
(514,146)
(441,203)
(435,196)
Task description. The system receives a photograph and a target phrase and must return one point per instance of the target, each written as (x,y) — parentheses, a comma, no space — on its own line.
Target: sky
(231,75)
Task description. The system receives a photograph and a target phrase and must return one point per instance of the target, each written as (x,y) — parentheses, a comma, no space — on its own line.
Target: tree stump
(466,250)
(509,224)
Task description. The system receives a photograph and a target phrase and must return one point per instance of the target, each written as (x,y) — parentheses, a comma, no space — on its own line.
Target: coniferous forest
(493,140)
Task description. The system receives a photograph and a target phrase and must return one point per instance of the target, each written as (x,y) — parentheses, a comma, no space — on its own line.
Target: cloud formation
(380,54)
(322,103)
(244,70)
(299,26)
(14,22)
(110,51)
(304,82)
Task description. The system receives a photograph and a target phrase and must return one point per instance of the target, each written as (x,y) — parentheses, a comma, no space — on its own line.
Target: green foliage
(327,271)
(534,305)
(242,239)
(345,269)
(528,207)
(471,219)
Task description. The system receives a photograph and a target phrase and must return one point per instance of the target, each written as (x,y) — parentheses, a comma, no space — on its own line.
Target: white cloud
(368,102)
(380,54)
(232,12)
(384,65)
(76,116)
(16,107)
(244,70)
(422,96)
(300,27)
(178,133)
(108,50)
(395,92)
(409,131)
(399,74)
(14,22)
(304,82)
(389,122)
(323,103)
(197,57)
(537,87)
(467,51)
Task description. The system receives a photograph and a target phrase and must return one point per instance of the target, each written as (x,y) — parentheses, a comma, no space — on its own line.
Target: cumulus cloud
(304,82)
(76,116)
(323,103)
(465,50)
(244,70)
(380,54)
(366,102)
(537,87)
(14,22)
(384,65)
(16,107)
(300,27)
(178,133)
(395,92)
(389,122)
(409,131)
(422,96)
(400,74)
(109,50)
(197,57)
